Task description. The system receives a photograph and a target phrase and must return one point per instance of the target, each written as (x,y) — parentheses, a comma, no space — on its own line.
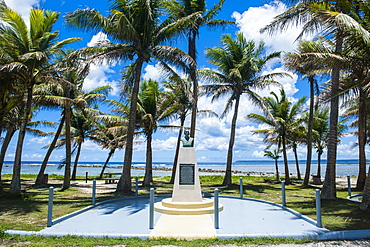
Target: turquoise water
(259,167)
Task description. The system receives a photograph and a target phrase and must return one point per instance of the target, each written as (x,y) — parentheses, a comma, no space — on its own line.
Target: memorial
(186,196)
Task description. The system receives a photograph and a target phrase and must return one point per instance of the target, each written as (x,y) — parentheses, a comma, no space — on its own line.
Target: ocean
(253,167)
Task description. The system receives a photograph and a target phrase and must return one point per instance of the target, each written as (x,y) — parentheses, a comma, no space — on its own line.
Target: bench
(111,180)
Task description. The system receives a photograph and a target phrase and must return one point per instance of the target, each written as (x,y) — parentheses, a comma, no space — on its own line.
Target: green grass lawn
(28,211)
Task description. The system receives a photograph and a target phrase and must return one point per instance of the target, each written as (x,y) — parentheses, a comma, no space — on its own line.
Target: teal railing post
(93,194)
(151,209)
(349,185)
(216,211)
(136,187)
(283,199)
(318,208)
(50,207)
(241,187)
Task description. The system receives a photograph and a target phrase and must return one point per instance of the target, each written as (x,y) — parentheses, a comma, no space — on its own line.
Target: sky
(212,135)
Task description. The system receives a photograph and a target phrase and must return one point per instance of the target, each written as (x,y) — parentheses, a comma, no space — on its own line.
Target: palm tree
(180,88)
(83,127)
(182,8)
(280,116)
(296,135)
(12,124)
(111,137)
(154,106)
(358,106)
(275,156)
(142,32)
(64,95)
(239,63)
(301,62)
(321,134)
(331,19)
(182,105)
(30,47)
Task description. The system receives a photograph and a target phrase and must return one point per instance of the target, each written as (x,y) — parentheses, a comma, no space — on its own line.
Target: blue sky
(212,134)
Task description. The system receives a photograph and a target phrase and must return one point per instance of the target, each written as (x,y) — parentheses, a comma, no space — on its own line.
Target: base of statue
(167,206)
(186,196)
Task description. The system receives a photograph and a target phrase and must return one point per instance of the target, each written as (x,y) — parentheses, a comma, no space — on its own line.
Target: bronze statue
(187,141)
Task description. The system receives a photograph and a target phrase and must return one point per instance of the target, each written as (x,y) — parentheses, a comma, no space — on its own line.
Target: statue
(187,141)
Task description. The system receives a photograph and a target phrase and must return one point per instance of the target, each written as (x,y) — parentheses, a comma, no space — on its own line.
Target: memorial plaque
(187,174)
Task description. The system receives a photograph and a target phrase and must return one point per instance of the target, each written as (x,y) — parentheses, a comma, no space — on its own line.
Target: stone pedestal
(186,196)
(187,185)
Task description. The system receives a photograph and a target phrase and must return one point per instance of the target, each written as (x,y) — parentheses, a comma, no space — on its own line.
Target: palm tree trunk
(106,163)
(286,167)
(361,141)
(227,179)
(277,170)
(8,137)
(365,203)
(124,183)
(148,178)
(319,165)
(15,186)
(182,119)
(74,172)
(328,189)
(193,67)
(309,133)
(40,176)
(67,169)
(297,162)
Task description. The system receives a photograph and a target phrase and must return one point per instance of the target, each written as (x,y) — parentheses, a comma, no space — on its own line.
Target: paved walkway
(129,217)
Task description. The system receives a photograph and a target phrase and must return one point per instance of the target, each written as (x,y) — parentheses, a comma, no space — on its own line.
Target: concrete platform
(129,217)
(184,227)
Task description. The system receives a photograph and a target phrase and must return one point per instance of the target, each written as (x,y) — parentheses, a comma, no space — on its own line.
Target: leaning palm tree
(275,156)
(31,48)
(239,64)
(11,124)
(280,115)
(65,95)
(182,8)
(140,34)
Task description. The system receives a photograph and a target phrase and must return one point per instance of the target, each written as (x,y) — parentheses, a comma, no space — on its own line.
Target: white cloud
(155,72)
(152,72)
(98,39)
(258,154)
(99,76)
(39,140)
(91,146)
(169,144)
(22,6)
(12,155)
(255,18)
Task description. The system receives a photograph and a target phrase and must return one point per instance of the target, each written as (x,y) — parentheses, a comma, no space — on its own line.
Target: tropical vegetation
(38,72)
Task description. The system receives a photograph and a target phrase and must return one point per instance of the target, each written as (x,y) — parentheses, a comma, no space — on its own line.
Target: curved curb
(326,235)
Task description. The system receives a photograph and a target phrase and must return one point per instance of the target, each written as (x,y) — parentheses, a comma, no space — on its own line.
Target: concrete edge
(85,235)
(351,234)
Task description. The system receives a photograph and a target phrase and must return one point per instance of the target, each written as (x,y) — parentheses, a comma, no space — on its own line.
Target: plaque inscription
(187,174)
